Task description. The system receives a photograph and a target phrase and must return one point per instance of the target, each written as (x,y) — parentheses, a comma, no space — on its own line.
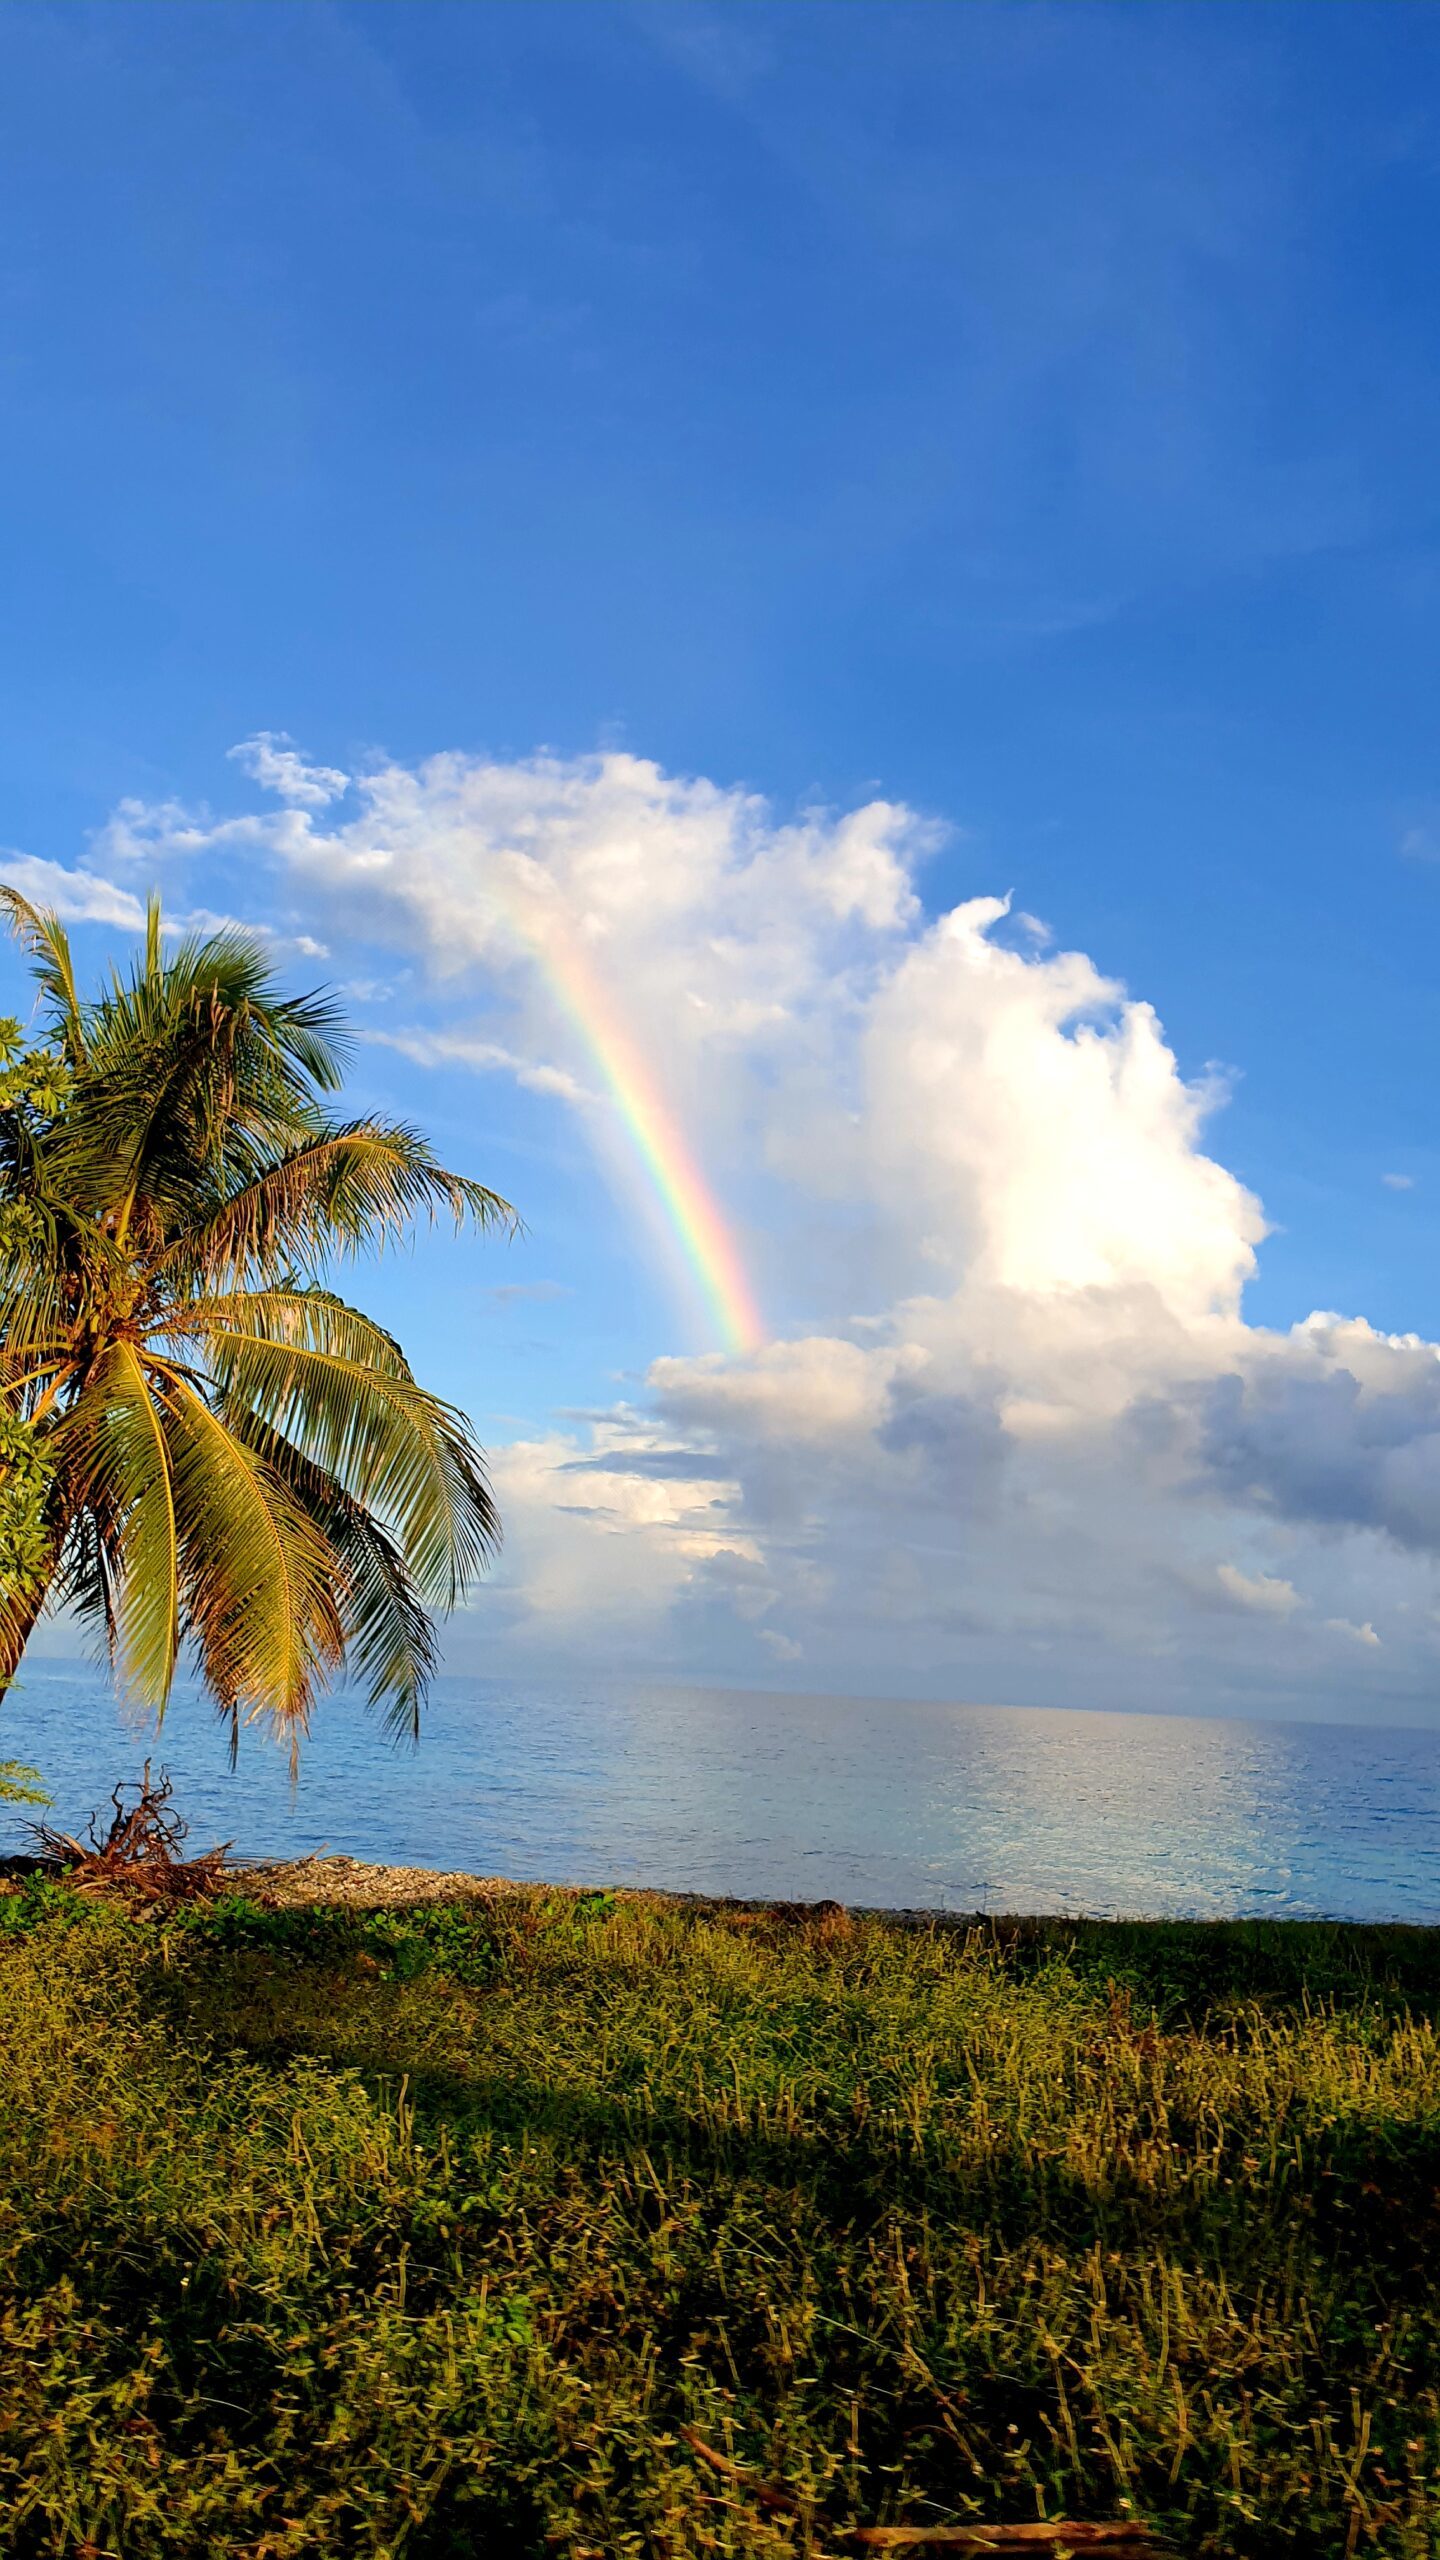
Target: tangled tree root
(138,1855)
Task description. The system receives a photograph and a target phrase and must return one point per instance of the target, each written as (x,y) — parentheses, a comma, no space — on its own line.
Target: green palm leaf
(263,1586)
(341,1191)
(401,1452)
(389,1637)
(113,1459)
(40,932)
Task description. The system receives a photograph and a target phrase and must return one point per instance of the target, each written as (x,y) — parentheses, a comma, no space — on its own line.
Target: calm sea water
(958,1807)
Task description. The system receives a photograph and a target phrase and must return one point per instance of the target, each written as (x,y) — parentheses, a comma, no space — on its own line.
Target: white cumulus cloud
(77,897)
(1012,1425)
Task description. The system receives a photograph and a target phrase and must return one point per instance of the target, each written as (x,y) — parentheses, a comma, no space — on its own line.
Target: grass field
(428,2231)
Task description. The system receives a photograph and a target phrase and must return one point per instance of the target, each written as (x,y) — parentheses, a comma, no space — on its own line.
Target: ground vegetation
(484,2224)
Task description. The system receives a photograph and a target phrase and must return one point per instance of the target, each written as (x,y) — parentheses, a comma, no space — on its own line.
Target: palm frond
(112,1458)
(389,1637)
(398,1450)
(85,1581)
(341,1191)
(263,1586)
(316,1318)
(196,1067)
(54,1266)
(40,932)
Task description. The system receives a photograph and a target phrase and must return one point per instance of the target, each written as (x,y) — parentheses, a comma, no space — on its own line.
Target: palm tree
(235,1463)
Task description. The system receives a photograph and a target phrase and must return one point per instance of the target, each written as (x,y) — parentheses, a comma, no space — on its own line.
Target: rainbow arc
(688,1206)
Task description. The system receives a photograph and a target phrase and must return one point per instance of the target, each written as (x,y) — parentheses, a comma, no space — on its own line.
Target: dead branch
(1122,2540)
(766,2493)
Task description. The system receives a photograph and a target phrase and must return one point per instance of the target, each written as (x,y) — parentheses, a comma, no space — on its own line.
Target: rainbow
(689,1210)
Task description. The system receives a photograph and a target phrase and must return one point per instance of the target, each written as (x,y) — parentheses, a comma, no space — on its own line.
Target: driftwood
(1122,2540)
(138,1854)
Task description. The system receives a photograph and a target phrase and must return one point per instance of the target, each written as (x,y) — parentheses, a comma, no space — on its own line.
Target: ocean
(883,1802)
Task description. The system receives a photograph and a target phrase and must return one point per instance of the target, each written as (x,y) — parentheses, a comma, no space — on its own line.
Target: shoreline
(340,1882)
(366,1884)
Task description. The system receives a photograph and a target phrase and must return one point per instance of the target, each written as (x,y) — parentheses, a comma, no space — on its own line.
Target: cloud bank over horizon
(1010,1434)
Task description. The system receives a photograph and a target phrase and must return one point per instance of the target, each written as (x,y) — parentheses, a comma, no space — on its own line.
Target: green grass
(427,2233)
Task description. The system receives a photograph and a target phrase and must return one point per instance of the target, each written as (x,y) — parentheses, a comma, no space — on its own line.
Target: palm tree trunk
(19,1612)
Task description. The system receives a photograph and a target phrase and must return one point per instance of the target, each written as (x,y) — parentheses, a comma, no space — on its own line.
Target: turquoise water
(960,1807)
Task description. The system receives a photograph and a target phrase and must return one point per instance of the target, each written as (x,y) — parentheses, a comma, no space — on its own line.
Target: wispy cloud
(1267,1593)
(272,760)
(535,1292)
(483,1057)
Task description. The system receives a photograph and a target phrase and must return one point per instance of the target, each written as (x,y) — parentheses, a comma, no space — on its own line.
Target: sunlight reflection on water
(967,1808)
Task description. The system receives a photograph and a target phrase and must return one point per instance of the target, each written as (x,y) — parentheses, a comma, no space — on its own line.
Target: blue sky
(1019,416)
